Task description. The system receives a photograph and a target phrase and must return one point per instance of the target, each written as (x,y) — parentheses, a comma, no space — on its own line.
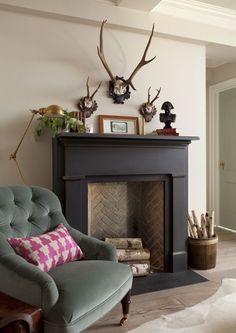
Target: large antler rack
(119,87)
(101,53)
(142,62)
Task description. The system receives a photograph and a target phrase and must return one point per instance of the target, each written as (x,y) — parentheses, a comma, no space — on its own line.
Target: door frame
(213,146)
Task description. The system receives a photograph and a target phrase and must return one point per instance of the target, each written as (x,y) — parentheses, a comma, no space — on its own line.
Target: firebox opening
(129,210)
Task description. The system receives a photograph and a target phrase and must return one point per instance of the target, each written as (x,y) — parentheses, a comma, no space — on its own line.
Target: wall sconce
(50,111)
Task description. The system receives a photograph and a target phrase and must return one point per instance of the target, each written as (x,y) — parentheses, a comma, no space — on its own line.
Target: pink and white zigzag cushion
(48,250)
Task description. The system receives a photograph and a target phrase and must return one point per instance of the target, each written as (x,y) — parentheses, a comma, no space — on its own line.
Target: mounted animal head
(148,110)
(119,87)
(87,104)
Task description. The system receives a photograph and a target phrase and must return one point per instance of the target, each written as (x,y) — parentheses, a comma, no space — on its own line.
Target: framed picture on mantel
(118,124)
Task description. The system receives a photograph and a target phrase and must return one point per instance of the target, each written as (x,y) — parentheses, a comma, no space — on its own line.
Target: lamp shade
(51,111)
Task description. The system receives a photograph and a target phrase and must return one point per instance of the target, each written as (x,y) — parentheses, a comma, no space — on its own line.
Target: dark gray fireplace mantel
(79,159)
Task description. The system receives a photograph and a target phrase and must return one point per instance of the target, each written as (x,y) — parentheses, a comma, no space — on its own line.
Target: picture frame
(109,124)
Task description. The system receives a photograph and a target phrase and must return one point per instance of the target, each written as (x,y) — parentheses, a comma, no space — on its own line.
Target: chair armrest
(24,281)
(93,248)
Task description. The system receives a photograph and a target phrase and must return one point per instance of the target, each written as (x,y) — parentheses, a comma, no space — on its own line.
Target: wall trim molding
(213,172)
(227,229)
(199,12)
(178,19)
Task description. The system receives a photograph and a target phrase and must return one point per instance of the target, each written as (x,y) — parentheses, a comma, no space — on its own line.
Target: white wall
(46,61)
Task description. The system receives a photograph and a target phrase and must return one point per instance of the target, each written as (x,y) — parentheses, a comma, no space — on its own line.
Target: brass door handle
(222,165)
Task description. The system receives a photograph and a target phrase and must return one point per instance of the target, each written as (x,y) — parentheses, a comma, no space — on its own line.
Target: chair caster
(125,307)
(123,320)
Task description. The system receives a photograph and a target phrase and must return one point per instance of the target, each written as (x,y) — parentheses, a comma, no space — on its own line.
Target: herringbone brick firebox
(129,209)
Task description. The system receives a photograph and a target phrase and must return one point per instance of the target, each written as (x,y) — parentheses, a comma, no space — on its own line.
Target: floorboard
(150,306)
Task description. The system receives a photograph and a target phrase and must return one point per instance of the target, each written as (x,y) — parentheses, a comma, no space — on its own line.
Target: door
(227,163)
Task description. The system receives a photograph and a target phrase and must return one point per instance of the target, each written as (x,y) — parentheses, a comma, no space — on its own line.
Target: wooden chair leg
(18,322)
(125,307)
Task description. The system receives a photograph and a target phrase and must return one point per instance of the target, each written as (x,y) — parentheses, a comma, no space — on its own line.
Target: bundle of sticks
(205,228)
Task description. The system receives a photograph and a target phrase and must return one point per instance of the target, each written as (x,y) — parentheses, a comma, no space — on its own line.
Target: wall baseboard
(227,229)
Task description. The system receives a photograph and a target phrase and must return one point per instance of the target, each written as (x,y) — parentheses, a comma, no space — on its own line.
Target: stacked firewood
(205,228)
(131,252)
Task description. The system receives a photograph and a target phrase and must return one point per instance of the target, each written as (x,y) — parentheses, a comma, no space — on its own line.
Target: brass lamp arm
(19,170)
(50,111)
(13,156)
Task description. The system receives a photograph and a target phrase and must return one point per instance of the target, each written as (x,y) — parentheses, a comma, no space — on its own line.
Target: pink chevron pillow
(48,250)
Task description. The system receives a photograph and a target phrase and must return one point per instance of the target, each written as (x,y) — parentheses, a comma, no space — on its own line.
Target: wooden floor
(150,306)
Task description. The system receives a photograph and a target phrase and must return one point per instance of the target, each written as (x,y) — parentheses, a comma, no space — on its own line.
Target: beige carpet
(217,314)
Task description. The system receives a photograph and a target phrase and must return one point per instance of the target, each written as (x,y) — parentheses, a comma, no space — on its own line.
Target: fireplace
(131,209)
(147,174)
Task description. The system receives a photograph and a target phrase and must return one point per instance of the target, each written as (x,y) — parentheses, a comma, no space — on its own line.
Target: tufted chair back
(28,211)
(73,295)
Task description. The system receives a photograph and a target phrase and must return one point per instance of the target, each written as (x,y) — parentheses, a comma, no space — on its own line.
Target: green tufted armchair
(74,295)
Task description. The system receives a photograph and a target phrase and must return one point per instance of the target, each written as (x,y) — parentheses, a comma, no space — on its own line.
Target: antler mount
(119,87)
(87,104)
(148,110)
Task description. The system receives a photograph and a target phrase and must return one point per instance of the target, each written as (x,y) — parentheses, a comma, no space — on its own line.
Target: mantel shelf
(128,137)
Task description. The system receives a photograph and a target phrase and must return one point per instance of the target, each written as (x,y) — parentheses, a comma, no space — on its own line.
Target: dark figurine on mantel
(167,117)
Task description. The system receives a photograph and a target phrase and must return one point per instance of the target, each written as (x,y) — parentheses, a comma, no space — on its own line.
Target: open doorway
(222,153)
(227,155)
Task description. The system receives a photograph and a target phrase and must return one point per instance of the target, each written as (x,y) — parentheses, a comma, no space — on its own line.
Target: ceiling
(216,54)
(148,5)
(230,4)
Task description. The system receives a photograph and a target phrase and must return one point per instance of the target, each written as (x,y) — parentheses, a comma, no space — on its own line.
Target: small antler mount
(148,110)
(87,105)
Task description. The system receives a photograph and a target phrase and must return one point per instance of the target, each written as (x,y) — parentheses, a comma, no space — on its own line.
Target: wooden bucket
(202,252)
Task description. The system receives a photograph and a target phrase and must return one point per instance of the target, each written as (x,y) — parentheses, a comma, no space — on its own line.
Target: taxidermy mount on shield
(118,86)
(148,110)
(87,105)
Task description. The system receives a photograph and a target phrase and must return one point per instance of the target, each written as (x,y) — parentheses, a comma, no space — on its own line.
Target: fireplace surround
(83,159)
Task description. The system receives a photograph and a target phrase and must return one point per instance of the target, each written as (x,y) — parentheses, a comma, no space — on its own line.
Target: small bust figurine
(167,117)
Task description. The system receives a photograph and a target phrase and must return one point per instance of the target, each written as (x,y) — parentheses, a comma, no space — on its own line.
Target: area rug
(160,281)
(217,314)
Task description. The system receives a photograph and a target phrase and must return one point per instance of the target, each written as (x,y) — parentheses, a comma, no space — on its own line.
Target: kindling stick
(211,224)
(203,226)
(198,226)
(192,227)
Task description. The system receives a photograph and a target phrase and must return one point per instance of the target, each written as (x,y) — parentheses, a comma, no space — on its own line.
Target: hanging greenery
(56,125)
